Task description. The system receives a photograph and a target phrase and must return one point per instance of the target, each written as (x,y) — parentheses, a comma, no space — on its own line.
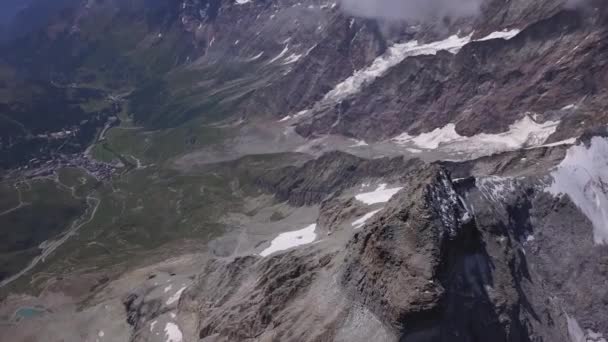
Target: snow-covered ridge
(397,53)
(521,134)
(583,176)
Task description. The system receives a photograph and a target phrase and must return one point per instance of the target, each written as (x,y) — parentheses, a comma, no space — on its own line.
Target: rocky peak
(398,265)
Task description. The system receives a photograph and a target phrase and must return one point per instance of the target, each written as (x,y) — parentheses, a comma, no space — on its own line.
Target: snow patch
(292,58)
(176,296)
(395,55)
(291,239)
(583,176)
(521,134)
(294,116)
(380,195)
(361,221)
(280,55)
(433,139)
(504,34)
(359,143)
(173,333)
(399,52)
(570,141)
(256,57)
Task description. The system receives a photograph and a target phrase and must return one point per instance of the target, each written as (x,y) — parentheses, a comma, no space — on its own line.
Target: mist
(413,11)
(8,9)
(575,3)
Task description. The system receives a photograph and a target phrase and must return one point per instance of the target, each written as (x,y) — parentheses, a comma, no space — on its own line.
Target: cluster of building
(45,168)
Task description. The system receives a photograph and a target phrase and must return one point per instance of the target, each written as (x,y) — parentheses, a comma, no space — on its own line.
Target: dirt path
(50,246)
(19,206)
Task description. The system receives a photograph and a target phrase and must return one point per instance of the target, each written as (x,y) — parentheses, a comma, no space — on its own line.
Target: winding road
(49,247)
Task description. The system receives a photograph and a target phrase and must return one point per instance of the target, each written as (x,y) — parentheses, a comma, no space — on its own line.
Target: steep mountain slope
(485,87)
(466,261)
(231,170)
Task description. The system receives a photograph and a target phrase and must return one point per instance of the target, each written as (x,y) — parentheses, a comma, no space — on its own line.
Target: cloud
(575,3)
(412,10)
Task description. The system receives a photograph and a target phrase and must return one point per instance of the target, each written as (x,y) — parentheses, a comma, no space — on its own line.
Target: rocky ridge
(443,261)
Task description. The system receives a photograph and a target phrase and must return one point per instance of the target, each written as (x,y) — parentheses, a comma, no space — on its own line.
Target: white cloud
(412,10)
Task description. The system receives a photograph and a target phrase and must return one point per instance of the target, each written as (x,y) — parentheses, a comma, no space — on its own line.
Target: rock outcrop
(330,174)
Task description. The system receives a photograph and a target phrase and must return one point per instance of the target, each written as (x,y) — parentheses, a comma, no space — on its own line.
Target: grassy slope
(49,209)
(145,210)
(142,210)
(9,197)
(158,146)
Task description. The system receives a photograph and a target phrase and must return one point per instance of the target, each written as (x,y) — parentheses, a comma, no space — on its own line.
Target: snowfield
(292,239)
(399,52)
(583,176)
(173,333)
(521,134)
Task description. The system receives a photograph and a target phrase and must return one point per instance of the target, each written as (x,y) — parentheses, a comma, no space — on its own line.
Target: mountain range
(304,170)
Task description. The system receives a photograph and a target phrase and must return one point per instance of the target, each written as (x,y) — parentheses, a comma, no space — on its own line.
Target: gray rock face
(329,175)
(424,268)
(405,247)
(346,47)
(487,258)
(246,299)
(485,87)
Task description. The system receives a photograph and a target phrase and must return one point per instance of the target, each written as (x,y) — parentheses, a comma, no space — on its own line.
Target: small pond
(28,312)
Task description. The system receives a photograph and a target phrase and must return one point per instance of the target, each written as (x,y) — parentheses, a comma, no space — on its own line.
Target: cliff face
(484,87)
